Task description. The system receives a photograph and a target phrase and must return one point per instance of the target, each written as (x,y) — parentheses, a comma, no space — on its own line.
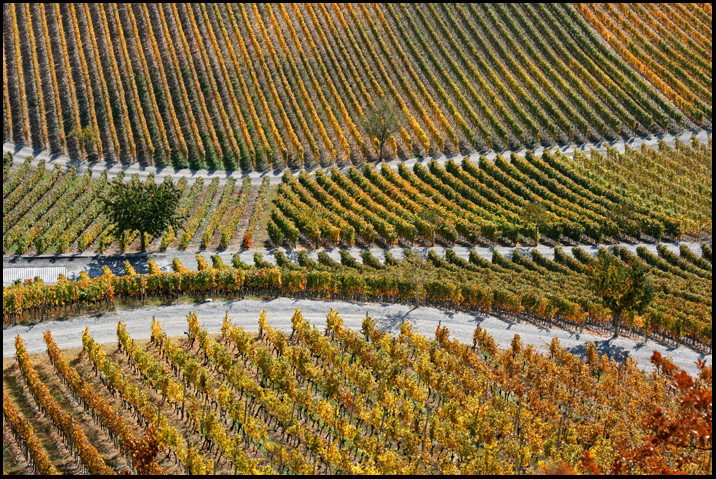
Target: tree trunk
(617,319)
(141,236)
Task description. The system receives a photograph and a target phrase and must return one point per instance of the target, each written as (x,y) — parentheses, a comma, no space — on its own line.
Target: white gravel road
(21,153)
(68,334)
(92,263)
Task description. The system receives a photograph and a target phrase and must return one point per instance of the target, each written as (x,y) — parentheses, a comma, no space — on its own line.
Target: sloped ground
(68,334)
(92,263)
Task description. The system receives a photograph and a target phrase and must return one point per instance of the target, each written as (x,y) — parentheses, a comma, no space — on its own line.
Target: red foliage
(687,428)
(144,453)
(588,465)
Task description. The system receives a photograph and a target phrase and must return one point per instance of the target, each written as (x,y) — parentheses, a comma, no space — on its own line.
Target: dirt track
(92,263)
(68,334)
(20,154)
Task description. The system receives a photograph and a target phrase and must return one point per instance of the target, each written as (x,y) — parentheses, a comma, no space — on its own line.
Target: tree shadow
(605,346)
(139,262)
(391,323)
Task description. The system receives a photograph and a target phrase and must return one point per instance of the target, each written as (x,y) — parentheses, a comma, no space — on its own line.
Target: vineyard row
(59,211)
(531,287)
(589,198)
(257,87)
(592,198)
(344,401)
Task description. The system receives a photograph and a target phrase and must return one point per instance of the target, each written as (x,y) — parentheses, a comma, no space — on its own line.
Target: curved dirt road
(21,153)
(92,263)
(68,334)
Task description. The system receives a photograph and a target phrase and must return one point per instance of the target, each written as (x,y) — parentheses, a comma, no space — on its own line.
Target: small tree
(536,216)
(147,208)
(381,121)
(415,268)
(621,288)
(87,137)
(433,217)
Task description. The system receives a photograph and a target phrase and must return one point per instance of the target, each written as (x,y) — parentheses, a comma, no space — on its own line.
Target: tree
(415,268)
(433,217)
(381,121)
(87,137)
(147,208)
(536,216)
(621,288)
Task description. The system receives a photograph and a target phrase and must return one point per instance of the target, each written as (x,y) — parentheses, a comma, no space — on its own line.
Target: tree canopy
(621,287)
(144,207)
(381,121)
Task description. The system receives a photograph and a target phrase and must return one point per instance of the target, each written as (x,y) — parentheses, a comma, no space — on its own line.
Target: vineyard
(541,290)
(541,169)
(589,198)
(59,211)
(343,401)
(669,44)
(593,198)
(257,87)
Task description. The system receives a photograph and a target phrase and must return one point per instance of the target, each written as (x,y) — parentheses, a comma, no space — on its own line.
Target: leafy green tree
(147,208)
(381,121)
(415,268)
(434,222)
(86,136)
(88,139)
(536,217)
(621,287)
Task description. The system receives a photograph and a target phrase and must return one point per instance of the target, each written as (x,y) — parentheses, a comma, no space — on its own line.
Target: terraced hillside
(59,211)
(266,86)
(585,198)
(344,402)
(594,198)
(543,290)
(543,169)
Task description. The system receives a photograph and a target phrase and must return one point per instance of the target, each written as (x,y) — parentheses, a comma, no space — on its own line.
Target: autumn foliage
(684,430)
(339,400)
(144,452)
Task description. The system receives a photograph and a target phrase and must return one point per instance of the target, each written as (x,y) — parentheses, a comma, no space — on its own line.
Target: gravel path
(68,334)
(21,153)
(461,325)
(92,263)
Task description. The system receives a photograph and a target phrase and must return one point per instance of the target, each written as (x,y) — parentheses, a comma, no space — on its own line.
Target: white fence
(48,275)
